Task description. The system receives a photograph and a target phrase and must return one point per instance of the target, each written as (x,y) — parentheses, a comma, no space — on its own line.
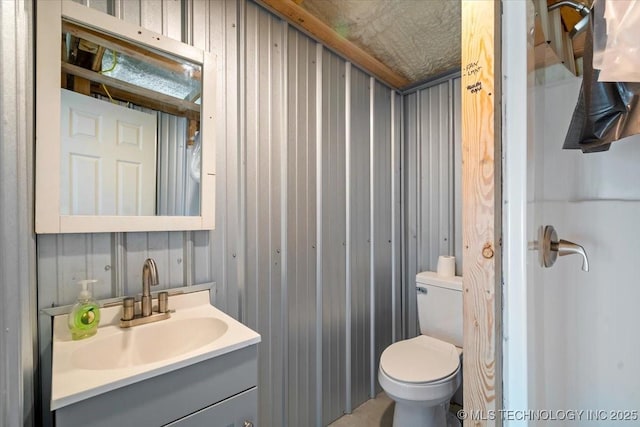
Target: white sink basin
(150,343)
(117,357)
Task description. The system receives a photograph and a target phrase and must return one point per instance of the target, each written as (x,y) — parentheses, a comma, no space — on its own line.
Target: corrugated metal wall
(17,242)
(307,245)
(334,235)
(358,233)
(264,193)
(432,169)
(301,241)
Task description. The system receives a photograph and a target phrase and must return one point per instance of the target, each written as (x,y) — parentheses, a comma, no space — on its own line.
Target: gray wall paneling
(381,225)
(17,242)
(305,207)
(397,201)
(334,237)
(359,244)
(456,200)
(301,223)
(432,185)
(217,254)
(172,172)
(410,168)
(265,138)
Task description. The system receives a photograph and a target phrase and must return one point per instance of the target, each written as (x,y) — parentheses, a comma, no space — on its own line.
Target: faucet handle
(163,302)
(128,308)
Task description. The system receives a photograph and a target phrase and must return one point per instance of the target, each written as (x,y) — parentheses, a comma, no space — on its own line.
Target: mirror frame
(48,109)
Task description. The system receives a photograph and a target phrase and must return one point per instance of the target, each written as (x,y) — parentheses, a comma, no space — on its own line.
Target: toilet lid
(420,360)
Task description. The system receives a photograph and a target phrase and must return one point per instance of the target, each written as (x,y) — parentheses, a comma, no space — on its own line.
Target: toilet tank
(440,306)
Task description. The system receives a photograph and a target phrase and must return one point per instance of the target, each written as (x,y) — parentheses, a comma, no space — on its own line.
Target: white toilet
(422,374)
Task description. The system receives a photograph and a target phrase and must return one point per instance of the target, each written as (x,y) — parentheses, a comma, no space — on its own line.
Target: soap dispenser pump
(85,314)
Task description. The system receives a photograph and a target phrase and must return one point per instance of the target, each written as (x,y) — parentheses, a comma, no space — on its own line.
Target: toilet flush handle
(552,247)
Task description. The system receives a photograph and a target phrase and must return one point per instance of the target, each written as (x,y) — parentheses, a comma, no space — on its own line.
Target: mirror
(124,130)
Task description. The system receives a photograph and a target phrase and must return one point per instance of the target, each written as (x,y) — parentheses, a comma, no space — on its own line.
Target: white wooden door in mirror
(124,126)
(108,158)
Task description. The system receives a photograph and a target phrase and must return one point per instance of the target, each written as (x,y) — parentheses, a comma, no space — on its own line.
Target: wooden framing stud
(192,128)
(81,85)
(481,213)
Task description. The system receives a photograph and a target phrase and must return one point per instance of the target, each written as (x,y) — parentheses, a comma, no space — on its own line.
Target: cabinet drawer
(237,411)
(160,400)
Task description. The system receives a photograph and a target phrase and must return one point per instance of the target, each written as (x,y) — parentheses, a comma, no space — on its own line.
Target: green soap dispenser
(85,314)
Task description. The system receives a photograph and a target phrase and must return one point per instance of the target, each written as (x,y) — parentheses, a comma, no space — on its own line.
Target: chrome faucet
(129,316)
(149,278)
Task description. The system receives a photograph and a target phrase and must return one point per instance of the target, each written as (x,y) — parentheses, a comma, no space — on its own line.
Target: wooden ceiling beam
(312,25)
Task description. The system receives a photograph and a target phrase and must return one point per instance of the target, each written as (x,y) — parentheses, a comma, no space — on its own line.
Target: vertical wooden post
(481,207)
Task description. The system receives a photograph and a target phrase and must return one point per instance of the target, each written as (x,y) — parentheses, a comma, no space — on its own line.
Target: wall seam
(451,170)
(242,131)
(284,160)
(372,242)
(347,97)
(319,240)
(393,217)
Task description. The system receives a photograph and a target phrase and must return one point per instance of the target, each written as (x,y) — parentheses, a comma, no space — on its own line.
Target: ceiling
(417,39)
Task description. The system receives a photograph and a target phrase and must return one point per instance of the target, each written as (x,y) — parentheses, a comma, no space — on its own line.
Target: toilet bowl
(421,374)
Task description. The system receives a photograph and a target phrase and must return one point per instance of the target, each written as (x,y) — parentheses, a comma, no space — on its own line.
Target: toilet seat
(420,360)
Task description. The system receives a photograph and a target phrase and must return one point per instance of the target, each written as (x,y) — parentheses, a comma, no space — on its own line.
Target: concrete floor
(376,412)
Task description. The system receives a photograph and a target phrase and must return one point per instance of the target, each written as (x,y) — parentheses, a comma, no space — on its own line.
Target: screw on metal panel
(277,251)
(107,267)
(233,255)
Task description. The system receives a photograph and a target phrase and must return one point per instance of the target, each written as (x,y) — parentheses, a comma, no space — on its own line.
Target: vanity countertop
(117,357)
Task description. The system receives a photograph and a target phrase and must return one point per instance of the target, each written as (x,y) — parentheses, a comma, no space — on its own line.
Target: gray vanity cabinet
(237,411)
(218,392)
